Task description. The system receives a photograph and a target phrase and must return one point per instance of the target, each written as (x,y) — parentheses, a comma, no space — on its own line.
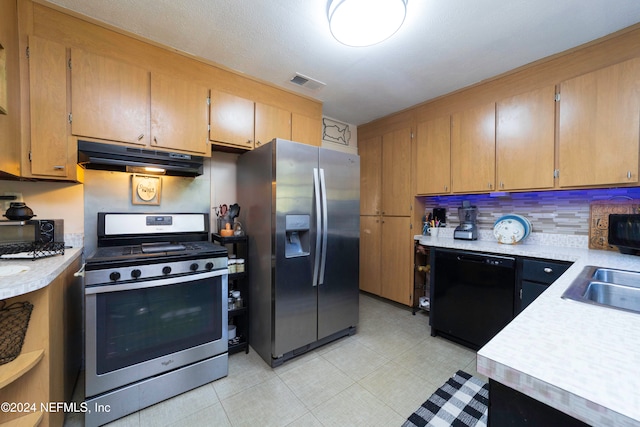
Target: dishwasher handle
(494,261)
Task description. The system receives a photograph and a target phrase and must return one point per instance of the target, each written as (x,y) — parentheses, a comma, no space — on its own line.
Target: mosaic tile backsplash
(555,212)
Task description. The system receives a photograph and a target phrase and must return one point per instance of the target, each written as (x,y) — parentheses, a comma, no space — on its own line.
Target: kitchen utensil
(18,211)
(234,211)
(227,231)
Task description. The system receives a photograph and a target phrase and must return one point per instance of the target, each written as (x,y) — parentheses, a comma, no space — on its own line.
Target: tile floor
(376,377)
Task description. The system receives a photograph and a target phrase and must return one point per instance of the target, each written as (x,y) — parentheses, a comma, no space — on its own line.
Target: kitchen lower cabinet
(510,408)
(386,257)
(48,366)
(370,250)
(535,277)
(599,127)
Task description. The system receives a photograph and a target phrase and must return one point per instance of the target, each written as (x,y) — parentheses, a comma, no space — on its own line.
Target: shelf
(236,348)
(234,276)
(30,420)
(9,372)
(230,239)
(237,311)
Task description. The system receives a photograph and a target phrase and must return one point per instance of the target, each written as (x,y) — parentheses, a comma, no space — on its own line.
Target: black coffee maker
(467,230)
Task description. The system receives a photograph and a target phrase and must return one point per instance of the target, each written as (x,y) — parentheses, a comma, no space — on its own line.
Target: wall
(53,200)
(554,212)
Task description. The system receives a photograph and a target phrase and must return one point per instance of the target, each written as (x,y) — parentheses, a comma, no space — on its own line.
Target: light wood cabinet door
(271,122)
(109,99)
(231,120)
(396,173)
(599,126)
(370,152)
(433,156)
(370,246)
(396,260)
(473,149)
(179,115)
(306,130)
(525,140)
(50,151)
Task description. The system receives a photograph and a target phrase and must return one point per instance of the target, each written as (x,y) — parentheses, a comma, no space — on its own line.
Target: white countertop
(34,274)
(581,359)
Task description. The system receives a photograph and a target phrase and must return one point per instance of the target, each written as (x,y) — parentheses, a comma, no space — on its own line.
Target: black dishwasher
(472,295)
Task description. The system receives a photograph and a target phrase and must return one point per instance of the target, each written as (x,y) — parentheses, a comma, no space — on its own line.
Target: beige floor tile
(178,407)
(271,403)
(315,381)
(398,387)
(245,371)
(307,420)
(213,415)
(356,407)
(355,359)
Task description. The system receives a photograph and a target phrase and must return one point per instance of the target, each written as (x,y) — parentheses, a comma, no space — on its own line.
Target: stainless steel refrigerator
(300,208)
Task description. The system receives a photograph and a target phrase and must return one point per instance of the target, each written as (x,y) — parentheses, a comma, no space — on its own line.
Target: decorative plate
(510,229)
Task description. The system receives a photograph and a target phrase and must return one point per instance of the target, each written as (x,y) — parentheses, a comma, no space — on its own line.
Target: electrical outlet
(7,203)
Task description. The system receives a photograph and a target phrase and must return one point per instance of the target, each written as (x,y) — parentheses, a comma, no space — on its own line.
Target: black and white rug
(461,402)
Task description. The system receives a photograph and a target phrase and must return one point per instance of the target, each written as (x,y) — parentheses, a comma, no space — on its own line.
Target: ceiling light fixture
(362,23)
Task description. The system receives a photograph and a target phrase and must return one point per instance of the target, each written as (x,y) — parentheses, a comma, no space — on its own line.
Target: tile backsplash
(554,212)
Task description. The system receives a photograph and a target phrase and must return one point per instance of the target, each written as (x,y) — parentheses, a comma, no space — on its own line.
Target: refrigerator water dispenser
(296,235)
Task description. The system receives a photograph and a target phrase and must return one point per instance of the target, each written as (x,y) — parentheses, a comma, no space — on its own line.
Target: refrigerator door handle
(325,232)
(316,261)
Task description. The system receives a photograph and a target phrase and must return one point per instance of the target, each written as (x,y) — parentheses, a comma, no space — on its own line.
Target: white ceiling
(444,45)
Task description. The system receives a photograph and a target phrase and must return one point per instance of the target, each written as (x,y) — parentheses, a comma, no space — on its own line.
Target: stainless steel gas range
(155,313)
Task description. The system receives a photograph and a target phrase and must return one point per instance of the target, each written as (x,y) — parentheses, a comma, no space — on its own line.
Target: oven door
(140,329)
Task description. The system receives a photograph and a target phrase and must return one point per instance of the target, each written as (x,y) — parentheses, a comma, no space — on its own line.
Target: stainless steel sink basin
(608,287)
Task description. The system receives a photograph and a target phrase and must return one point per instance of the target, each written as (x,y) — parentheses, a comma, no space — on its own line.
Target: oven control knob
(166,270)
(114,276)
(209,266)
(136,273)
(194,266)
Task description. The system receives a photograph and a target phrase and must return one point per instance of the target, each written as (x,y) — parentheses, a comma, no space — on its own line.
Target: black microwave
(624,233)
(32,231)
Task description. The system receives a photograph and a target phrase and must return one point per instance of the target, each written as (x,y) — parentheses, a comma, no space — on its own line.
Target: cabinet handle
(501,184)
(248,141)
(628,174)
(489,184)
(155,140)
(548,270)
(140,136)
(446,188)
(258,143)
(58,168)
(382,212)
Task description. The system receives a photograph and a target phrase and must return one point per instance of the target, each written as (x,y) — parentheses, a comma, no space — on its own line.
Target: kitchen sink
(619,289)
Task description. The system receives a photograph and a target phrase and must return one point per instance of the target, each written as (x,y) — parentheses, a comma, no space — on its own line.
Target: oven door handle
(142,284)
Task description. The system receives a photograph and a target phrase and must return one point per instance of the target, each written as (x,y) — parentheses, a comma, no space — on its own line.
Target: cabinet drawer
(543,271)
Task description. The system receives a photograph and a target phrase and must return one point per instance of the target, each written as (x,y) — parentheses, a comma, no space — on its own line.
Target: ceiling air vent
(307,82)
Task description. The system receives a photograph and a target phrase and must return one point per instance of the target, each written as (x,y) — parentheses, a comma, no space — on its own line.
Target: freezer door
(338,291)
(294,296)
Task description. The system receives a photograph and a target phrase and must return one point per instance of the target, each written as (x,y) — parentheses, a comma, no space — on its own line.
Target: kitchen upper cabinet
(307,130)
(473,149)
(599,126)
(370,253)
(525,140)
(179,115)
(50,153)
(433,156)
(370,152)
(231,120)
(109,99)
(396,173)
(271,122)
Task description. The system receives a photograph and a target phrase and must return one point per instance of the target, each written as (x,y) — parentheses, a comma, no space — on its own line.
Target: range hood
(93,155)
